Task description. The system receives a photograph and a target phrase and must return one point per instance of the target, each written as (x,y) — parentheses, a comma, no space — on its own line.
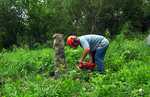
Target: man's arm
(84,43)
(84,54)
(91,58)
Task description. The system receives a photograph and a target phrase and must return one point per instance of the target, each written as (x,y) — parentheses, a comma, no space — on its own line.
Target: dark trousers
(98,57)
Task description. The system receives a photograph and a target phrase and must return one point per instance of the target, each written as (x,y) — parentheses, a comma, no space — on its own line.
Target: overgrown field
(28,73)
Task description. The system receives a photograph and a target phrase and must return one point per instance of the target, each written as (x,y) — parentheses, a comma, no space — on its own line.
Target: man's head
(73,41)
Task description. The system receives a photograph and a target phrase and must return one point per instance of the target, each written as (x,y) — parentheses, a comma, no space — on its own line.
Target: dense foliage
(26,22)
(28,73)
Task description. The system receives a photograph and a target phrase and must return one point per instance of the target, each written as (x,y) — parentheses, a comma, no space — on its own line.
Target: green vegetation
(26,54)
(27,73)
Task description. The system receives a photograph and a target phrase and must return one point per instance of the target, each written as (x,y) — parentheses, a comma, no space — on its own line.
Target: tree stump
(59,57)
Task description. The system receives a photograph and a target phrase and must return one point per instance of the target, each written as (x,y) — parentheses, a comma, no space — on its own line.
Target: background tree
(28,22)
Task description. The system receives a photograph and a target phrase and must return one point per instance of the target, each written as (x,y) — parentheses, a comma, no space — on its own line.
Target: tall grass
(26,73)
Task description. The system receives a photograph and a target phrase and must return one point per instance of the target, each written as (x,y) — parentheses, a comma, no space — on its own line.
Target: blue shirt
(93,41)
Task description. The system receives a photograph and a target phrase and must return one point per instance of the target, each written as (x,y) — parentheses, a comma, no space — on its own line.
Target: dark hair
(73,33)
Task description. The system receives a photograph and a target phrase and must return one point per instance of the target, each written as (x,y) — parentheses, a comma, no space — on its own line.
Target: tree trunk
(59,58)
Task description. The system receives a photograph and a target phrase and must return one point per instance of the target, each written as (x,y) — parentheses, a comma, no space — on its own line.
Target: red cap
(70,40)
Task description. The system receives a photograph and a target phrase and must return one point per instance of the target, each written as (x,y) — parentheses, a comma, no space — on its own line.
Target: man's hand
(92,59)
(80,61)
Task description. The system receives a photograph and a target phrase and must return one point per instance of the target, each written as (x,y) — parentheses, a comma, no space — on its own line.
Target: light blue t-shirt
(93,41)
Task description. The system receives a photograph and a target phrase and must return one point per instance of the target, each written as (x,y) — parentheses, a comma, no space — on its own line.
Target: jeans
(99,54)
(99,57)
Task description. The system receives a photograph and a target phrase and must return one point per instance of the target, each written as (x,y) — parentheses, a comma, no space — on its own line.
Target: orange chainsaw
(86,65)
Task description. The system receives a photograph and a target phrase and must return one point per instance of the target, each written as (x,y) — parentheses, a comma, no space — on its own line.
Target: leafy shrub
(25,73)
(24,61)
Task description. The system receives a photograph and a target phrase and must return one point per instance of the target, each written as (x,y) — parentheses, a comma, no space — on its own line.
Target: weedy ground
(29,73)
